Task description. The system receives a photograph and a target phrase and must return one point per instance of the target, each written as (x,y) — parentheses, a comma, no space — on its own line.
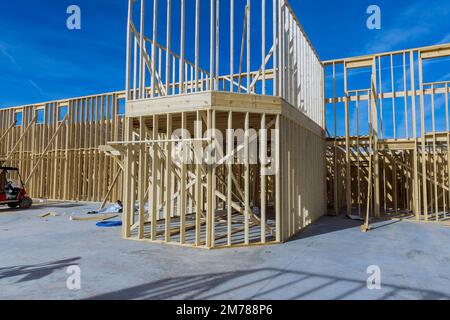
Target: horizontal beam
(221,101)
(435,53)
(360,63)
(387,95)
(384,54)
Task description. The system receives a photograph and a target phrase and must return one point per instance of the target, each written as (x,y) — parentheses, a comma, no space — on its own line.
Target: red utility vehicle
(13,193)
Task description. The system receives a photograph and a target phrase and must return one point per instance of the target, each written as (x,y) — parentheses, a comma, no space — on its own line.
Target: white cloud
(394,38)
(444,78)
(4,52)
(446,39)
(418,22)
(34,85)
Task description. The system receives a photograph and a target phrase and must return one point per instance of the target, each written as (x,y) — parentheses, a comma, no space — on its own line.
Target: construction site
(328,162)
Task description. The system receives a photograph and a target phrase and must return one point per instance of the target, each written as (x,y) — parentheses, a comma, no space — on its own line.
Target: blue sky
(40,59)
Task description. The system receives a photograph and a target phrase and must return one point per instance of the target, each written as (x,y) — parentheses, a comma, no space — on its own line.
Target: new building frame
(391,157)
(56,146)
(230,119)
(232,132)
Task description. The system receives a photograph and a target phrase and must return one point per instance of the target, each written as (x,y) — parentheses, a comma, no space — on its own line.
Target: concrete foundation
(326,261)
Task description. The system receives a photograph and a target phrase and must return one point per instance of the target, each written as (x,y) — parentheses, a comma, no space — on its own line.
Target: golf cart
(13,193)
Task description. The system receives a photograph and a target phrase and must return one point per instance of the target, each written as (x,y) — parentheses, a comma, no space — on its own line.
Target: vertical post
(394,120)
(155,35)
(298,40)
(155,166)
(335,180)
(358,197)
(249,80)
(414,126)
(433,119)
(174,74)
(168,211)
(241,59)
(142,53)
(275,47)
(247,177)
(129,43)
(263,45)
(67,144)
(348,177)
(182,204)
(394,125)
(198,186)
(231,45)
(197,36)
(214,175)
(380,87)
(447,125)
(217,43)
(182,44)
(289,59)
(169,30)
(325,166)
(211,48)
(423,142)
(406,96)
(278,188)
(210,190)
(376,165)
(263,156)
(281,48)
(186,85)
(230,158)
(128,211)
(141,179)
(135,72)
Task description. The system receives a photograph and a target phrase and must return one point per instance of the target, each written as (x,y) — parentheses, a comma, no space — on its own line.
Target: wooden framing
(57,147)
(236,199)
(213,157)
(240,200)
(275,74)
(410,162)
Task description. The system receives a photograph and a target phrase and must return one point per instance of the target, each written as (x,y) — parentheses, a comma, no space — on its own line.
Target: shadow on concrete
(38,205)
(58,205)
(330,224)
(264,283)
(327,224)
(384,223)
(35,272)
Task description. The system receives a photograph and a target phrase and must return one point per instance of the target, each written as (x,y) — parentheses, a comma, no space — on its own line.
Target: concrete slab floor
(329,260)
